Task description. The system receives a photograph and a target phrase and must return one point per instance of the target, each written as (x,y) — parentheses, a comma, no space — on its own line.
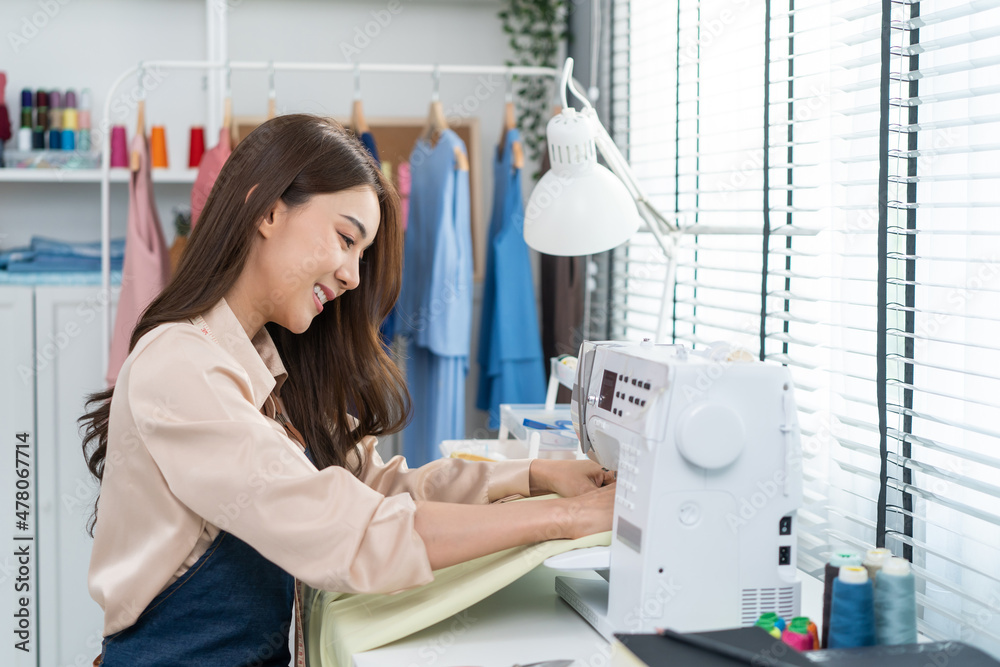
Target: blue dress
(510,348)
(435,305)
(388,328)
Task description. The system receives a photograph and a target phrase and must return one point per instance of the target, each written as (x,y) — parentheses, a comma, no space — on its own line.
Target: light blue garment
(435,305)
(510,348)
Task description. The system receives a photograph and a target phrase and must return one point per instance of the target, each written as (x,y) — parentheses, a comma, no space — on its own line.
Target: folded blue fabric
(57,278)
(48,246)
(61,263)
(45,254)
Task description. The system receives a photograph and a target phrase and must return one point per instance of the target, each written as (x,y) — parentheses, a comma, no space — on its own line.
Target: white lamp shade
(581,213)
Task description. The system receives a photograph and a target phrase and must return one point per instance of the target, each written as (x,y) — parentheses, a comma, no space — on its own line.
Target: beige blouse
(193,448)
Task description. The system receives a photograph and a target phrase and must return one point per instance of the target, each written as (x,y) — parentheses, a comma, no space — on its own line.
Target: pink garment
(146,269)
(208,172)
(403,185)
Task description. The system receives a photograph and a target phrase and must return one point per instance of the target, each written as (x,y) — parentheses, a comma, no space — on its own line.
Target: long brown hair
(339,364)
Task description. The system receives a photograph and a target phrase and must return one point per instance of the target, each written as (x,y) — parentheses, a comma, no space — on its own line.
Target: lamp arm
(655,220)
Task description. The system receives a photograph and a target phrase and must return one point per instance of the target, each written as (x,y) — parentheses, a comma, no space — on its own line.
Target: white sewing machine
(706,445)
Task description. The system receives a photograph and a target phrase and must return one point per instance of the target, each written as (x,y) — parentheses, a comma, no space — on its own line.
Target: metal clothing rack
(429,69)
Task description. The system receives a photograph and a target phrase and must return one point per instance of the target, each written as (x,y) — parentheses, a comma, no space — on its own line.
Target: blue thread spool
(852,612)
(896,604)
(837,561)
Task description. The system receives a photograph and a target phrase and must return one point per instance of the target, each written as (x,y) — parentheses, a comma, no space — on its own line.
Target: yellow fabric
(338,625)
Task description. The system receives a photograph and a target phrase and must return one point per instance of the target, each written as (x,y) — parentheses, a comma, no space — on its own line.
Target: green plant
(536,29)
(182,221)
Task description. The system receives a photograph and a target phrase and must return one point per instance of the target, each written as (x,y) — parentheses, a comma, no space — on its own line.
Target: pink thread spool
(797,640)
(119,152)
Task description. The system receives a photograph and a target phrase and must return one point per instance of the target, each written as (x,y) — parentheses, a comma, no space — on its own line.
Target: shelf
(118,175)
(512,418)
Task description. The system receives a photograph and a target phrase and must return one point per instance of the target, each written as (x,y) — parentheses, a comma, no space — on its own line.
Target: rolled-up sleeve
(193,407)
(444,480)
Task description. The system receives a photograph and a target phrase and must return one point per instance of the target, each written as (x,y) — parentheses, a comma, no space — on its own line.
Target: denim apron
(232,608)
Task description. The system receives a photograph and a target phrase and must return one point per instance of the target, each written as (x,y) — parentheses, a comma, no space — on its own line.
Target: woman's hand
(567,478)
(586,514)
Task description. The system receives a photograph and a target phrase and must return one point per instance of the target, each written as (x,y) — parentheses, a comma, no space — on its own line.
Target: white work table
(522,623)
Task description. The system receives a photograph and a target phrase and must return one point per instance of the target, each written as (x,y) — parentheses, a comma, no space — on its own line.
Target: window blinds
(856,145)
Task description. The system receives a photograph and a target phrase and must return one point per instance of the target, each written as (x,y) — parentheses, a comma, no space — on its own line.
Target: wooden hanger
(509,123)
(436,123)
(272,96)
(461,159)
(140,130)
(517,155)
(358,122)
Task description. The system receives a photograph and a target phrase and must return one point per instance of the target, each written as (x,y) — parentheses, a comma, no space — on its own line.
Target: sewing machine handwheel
(710,435)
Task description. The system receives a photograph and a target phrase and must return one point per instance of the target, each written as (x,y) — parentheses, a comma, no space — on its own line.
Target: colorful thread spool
(55,120)
(768,622)
(119,151)
(874,558)
(27,105)
(797,634)
(158,146)
(896,603)
(837,560)
(814,633)
(852,611)
(196,147)
(68,140)
(24,139)
(84,120)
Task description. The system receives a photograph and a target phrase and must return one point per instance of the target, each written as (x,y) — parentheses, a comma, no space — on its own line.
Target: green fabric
(337,625)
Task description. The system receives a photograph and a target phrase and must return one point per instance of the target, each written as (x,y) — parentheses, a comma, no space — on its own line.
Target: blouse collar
(259,357)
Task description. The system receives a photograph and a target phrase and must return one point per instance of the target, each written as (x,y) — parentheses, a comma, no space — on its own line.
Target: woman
(212,502)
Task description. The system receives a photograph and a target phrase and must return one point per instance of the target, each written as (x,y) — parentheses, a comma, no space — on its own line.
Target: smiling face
(304,257)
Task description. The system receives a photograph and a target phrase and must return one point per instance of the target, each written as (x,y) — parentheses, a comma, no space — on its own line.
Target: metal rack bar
(248,65)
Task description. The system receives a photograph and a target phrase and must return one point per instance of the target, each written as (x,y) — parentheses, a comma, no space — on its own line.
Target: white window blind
(857,145)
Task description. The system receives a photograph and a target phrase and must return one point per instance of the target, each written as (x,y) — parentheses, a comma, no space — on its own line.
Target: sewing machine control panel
(622,395)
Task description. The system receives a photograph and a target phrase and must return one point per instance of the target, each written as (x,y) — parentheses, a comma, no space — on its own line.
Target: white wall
(87,43)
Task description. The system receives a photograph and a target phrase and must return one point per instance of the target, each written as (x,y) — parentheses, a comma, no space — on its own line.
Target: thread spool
(69,129)
(896,604)
(84,120)
(119,152)
(768,623)
(874,558)
(196,146)
(837,560)
(797,634)
(852,612)
(24,139)
(27,114)
(158,146)
(41,111)
(814,633)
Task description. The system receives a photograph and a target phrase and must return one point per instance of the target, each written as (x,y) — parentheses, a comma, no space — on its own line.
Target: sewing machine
(706,448)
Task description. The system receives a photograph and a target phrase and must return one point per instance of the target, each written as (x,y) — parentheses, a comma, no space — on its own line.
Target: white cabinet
(17,415)
(58,354)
